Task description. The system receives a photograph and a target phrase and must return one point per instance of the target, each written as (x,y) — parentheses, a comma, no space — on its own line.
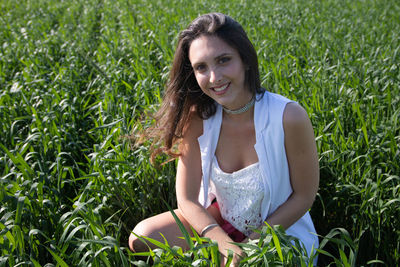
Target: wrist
(208,228)
(218,234)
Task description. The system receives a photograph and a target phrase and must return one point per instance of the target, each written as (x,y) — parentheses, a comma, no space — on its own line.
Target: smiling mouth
(221,88)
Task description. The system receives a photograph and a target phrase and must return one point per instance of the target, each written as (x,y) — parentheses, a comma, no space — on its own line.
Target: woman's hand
(225,243)
(252,236)
(238,254)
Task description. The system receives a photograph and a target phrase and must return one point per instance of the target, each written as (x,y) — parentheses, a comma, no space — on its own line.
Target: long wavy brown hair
(183,95)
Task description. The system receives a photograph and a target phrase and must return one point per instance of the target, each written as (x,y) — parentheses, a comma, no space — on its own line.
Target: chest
(235,147)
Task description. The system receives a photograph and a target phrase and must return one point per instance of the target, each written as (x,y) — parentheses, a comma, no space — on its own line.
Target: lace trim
(239,196)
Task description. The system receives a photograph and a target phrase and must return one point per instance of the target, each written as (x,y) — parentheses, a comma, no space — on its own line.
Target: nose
(215,76)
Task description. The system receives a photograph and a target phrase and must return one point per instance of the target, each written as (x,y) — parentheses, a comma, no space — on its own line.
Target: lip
(221,92)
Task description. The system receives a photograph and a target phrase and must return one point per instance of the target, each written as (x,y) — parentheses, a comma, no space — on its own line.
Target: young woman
(246,155)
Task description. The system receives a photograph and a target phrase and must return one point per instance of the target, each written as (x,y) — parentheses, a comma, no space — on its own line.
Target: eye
(223,60)
(200,67)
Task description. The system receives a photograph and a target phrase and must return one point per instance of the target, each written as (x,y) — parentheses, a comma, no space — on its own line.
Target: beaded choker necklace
(242,109)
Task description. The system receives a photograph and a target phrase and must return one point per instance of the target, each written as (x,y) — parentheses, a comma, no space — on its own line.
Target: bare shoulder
(194,128)
(299,133)
(192,131)
(297,125)
(294,115)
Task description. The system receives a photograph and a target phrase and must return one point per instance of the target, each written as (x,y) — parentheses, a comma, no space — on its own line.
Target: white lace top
(239,195)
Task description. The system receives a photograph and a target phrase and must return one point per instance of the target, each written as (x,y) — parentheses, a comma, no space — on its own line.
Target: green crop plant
(77,77)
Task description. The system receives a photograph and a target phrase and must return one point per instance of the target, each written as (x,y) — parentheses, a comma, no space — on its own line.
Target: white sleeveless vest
(270,149)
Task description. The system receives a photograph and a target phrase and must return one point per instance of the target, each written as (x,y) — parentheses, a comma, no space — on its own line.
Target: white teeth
(221,88)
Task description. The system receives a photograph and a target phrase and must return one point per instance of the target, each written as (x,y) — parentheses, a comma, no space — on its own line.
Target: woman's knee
(136,244)
(153,226)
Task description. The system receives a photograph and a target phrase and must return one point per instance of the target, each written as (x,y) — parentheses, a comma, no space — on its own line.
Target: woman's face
(219,71)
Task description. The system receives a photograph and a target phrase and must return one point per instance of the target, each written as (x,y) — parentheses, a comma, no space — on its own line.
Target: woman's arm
(188,180)
(302,158)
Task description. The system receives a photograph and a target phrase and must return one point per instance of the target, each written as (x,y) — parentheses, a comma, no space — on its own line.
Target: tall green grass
(78,76)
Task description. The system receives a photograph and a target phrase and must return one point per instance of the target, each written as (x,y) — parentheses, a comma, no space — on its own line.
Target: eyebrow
(223,55)
(216,58)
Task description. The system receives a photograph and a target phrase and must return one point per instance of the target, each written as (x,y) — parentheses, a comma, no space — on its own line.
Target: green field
(77,77)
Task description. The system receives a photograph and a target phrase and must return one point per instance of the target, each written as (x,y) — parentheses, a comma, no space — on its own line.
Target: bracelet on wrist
(208,227)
